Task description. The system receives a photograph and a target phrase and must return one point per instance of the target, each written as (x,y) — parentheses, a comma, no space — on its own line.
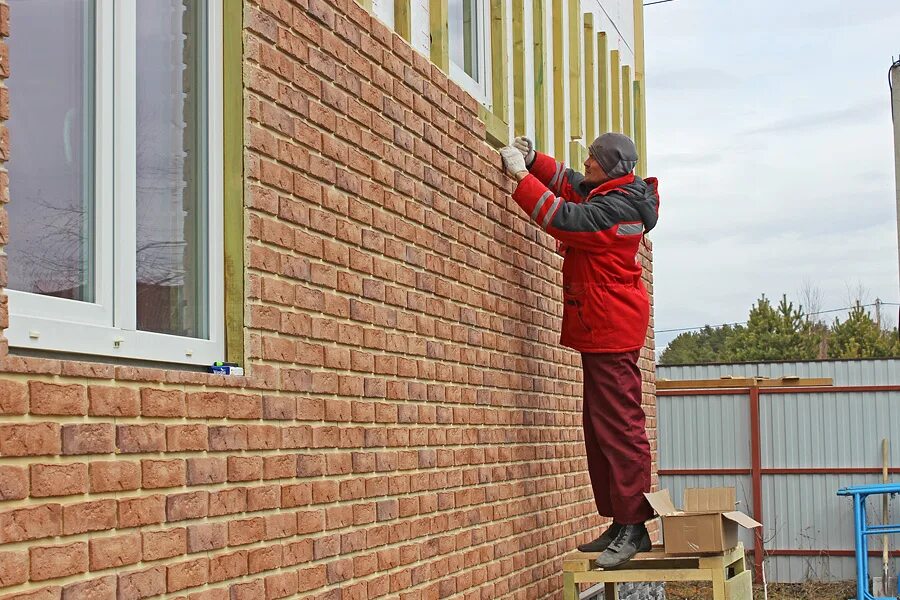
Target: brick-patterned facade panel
(408,426)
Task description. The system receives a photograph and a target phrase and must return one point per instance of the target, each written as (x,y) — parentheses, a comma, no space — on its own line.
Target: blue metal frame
(862,530)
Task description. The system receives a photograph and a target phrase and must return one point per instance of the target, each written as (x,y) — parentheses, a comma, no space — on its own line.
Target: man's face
(593,173)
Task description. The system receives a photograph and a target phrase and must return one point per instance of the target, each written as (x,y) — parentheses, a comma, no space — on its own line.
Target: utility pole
(894,78)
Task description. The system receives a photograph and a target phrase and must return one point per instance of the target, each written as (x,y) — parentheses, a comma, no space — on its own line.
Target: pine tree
(860,337)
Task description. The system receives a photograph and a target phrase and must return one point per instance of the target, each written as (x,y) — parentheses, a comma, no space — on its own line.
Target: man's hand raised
(513,162)
(526,147)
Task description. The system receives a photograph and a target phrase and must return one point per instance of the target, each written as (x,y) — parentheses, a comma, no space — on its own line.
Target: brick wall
(409,426)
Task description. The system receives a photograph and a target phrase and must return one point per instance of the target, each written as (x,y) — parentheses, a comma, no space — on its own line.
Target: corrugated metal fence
(787,451)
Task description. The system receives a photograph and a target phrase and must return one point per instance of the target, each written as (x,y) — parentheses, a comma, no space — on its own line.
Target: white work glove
(526,147)
(513,161)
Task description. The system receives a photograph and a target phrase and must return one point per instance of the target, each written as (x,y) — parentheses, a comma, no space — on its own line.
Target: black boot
(601,543)
(631,540)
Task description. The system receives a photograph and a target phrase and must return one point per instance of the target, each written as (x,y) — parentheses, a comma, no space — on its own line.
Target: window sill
(30,365)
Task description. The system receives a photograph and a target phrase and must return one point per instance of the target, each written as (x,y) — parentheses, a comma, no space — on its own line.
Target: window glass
(171,134)
(51,168)
(465,30)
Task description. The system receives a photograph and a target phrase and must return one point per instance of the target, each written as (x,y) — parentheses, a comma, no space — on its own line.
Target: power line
(821,312)
(657,2)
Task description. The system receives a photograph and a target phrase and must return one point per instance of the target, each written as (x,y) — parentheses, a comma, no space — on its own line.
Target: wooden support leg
(570,591)
(610,591)
(718,584)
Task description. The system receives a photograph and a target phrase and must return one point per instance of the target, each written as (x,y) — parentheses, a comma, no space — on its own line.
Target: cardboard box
(708,523)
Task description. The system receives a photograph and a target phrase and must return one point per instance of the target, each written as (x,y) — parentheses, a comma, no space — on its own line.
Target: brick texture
(408,426)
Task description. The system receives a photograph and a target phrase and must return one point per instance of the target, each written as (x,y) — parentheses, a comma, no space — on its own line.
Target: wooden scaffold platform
(728,573)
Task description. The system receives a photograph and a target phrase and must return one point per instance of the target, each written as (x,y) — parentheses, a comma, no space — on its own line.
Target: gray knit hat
(615,153)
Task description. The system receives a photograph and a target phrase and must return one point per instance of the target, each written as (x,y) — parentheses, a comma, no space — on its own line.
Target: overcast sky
(769,127)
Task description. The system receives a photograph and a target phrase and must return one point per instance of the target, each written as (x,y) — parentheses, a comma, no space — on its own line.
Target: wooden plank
(440,34)
(559,90)
(603,92)
(615,72)
(657,558)
(540,70)
(518,27)
(718,584)
(639,138)
(497,131)
(590,83)
(721,561)
(739,382)
(233,178)
(570,590)
(576,130)
(403,19)
(640,575)
(610,591)
(705,383)
(499,62)
(796,382)
(739,587)
(577,153)
(627,122)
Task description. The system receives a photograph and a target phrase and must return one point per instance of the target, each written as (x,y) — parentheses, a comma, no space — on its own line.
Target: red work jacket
(606,306)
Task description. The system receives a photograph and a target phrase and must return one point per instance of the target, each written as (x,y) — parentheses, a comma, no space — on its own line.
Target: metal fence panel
(828,429)
(844,372)
(703,432)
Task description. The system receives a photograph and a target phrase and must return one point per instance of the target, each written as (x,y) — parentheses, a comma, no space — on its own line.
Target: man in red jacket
(600,219)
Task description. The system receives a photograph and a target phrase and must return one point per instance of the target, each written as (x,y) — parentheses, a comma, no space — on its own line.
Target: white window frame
(384,10)
(108,326)
(480,90)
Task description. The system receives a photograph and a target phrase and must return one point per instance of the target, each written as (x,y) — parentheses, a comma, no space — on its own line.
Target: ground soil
(777,591)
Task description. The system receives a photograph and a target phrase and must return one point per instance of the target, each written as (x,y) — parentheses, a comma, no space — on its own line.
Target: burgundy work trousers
(618,452)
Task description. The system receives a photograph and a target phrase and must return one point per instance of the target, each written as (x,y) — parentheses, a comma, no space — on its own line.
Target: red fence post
(756,477)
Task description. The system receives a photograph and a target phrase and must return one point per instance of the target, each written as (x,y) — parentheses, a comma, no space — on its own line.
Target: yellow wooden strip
(499,61)
(628,124)
(639,136)
(440,34)
(497,128)
(576,130)
(741,382)
(657,559)
(570,590)
(540,70)
(615,72)
(638,575)
(366,4)
(638,39)
(720,561)
(518,20)
(577,153)
(403,19)
(603,92)
(233,184)
(559,73)
(590,88)
(640,113)
(796,382)
(739,587)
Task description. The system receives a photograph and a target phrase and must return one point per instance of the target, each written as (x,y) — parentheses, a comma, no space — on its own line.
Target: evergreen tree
(697,347)
(781,333)
(860,337)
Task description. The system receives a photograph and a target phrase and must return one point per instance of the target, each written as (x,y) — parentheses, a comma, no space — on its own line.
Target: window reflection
(51,165)
(171,167)
(464,27)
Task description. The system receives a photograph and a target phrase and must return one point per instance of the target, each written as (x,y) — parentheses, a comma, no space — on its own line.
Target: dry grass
(777,591)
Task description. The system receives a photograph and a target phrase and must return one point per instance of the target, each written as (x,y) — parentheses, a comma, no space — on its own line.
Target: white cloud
(769,128)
